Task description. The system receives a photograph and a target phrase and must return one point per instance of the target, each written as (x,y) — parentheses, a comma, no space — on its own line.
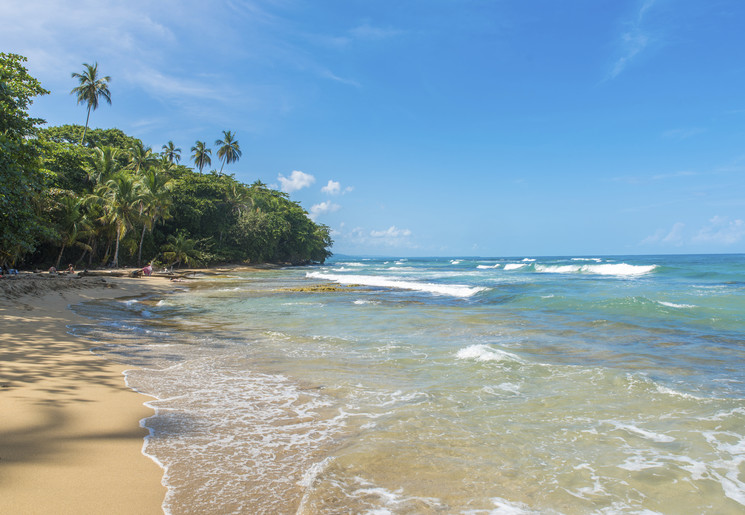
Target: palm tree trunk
(116,251)
(59,258)
(139,252)
(86,124)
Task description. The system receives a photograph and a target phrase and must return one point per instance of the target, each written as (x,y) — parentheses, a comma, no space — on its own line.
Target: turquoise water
(463,385)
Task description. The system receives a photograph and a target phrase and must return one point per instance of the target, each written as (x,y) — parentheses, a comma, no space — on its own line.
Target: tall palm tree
(91,88)
(156,201)
(201,155)
(121,196)
(229,150)
(172,152)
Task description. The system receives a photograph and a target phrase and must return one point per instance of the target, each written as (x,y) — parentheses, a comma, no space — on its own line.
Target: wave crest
(453,290)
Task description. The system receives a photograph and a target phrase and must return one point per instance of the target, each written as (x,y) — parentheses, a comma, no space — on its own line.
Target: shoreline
(71,439)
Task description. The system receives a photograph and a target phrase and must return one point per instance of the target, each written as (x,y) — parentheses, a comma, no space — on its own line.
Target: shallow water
(536,385)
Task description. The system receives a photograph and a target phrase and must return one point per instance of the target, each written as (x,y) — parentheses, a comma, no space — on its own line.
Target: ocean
(560,385)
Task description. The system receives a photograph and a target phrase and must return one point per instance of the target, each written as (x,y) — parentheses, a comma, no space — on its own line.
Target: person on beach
(52,270)
(148,270)
(70,269)
(7,271)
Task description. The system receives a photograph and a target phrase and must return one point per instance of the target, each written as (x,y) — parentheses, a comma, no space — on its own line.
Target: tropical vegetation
(99,197)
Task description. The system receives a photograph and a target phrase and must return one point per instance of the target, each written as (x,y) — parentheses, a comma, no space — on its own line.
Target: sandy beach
(70,439)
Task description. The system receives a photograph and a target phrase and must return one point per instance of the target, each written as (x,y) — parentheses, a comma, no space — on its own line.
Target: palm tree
(180,248)
(229,150)
(171,152)
(238,198)
(103,165)
(201,155)
(140,158)
(156,201)
(90,89)
(121,197)
(72,225)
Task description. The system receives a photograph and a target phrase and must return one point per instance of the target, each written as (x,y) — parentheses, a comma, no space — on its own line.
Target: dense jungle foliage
(99,197)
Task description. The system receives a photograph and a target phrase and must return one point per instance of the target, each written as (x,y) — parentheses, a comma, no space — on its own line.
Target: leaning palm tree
(201,155)
(171,152)
(91,88)
(229,150)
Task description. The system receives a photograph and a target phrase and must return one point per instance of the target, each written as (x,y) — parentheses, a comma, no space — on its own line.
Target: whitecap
(676,306)
(481,352)
(514,266)
(454,290)
(618,269)
(528,260)
(484,267)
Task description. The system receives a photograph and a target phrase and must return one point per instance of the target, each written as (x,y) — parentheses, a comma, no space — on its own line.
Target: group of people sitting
(70,270)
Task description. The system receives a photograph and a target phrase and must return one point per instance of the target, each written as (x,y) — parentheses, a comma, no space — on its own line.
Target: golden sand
(70,439)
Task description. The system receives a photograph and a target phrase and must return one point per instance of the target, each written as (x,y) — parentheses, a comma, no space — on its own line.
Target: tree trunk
(116,251)
(86,125)
(139,252)
(59,258)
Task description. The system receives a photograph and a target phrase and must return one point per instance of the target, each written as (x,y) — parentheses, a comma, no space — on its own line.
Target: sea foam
(454,290)
(617,269)
(481,352)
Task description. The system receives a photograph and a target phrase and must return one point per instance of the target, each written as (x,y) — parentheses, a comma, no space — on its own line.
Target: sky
(433,127)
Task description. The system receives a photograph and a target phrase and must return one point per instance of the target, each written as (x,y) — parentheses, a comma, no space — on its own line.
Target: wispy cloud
(633,40)
(391,237)
(721,230)
(365,241)
(673,237)
(324,207)
(296,181)
(717,231)
(367,31)
(683,133)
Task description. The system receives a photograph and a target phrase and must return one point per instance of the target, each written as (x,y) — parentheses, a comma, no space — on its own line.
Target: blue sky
(490,128)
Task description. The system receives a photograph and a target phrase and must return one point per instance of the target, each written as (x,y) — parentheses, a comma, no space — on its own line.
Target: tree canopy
(22,178)
(114,201)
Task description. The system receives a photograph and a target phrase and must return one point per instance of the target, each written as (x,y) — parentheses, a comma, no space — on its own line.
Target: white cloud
(332,188)
(323,207)
(391,232)
(297,181)
(721,230)
(391,237)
